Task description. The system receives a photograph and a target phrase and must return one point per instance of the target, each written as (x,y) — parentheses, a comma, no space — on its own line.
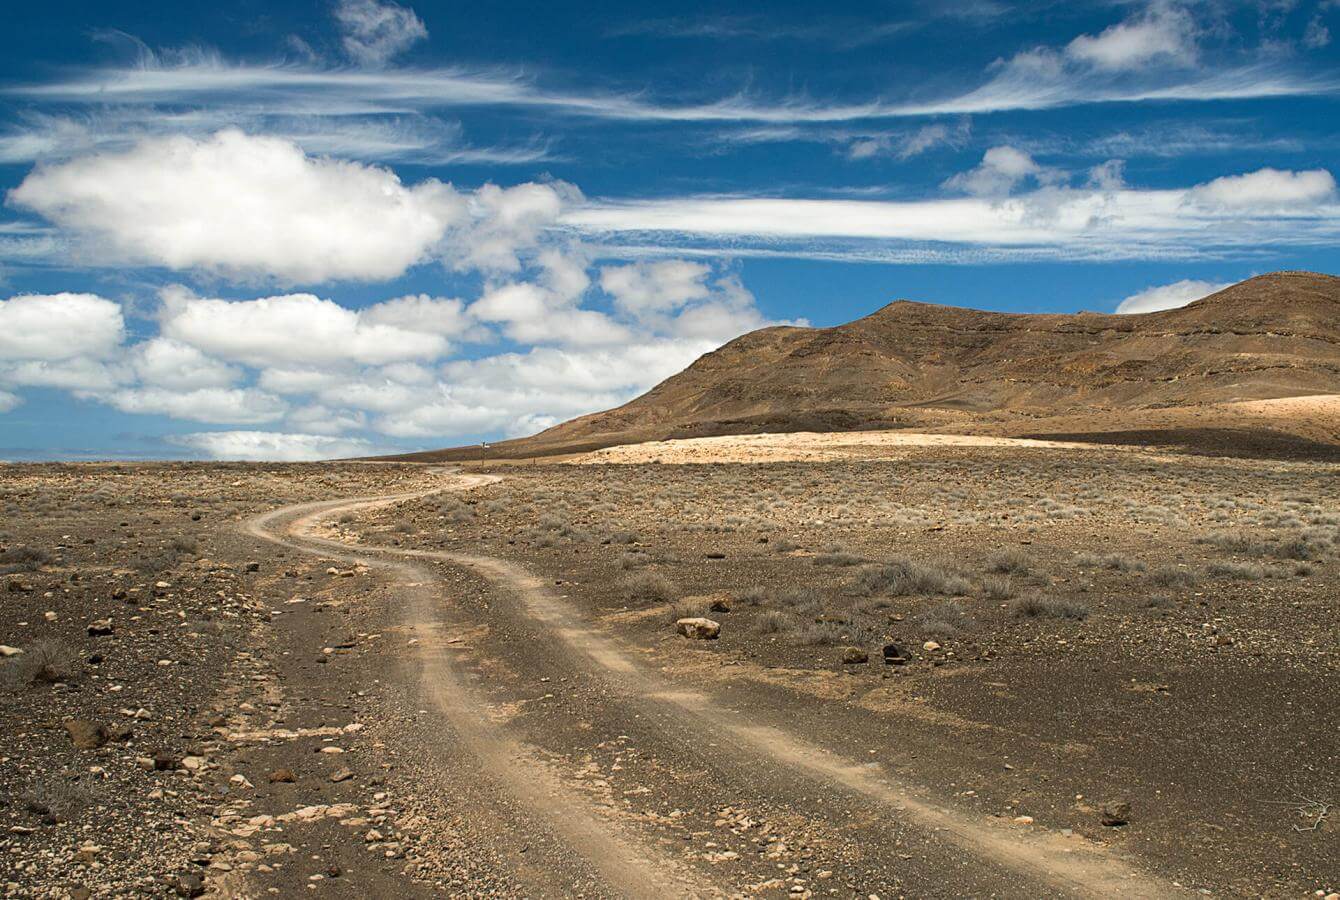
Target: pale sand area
(805,446)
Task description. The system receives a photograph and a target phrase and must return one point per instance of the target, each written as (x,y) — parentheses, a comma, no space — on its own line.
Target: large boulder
(698,628)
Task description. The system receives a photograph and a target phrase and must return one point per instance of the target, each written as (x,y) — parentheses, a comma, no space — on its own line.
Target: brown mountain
(1190,373)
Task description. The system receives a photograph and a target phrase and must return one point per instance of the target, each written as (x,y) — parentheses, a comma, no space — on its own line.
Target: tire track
(1056,865)
(624,865)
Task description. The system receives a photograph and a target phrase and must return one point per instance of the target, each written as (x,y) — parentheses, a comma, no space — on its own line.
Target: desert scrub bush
(773,622)
(1010,561)
(836,556)
(828,633)
(629,560)
(944,619)
(1048,608)
(1240,571)
(1114,562)
(997,587)
(648,586)
(1243,543)
(44,662)
(56,799)
(688,608)
(1173,577)
(23,559)
(619,537)
(1158,601)
(901,577)
(784,545)
(798,600)
(1301,548)
(754,596)
(186,546)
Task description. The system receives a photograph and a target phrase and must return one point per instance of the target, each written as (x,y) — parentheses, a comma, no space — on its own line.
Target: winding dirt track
(1012,860)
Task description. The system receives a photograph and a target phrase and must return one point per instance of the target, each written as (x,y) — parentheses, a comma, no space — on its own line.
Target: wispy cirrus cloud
(1033,80)
(1246,213)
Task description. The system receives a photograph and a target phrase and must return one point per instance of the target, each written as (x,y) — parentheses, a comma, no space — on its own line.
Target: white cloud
(83,376)
(506,221)
(219,406)
(1001,170)
(166,363)
(649,287)
(9,401)
(1163,33)
(374,32)
(320,419)
(1029,81)
(295,330)
(275,446)
(1317,34)
(1169,296)
(243,206)
(1267,189)
(59,327)
(1051,222)
(1108,176)
(420,313)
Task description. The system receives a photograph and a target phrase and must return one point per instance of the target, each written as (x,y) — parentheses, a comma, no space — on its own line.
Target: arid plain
(944,667)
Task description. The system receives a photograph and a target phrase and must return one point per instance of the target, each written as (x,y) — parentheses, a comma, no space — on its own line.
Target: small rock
(854,655)
(930,646)
(253,567)
(1023,820)
(698,628)
(1115,813)
(100,628)
(895,655)
(7,651)
(86,735)
(166,762)
(189,884)
(719,606)
(342,774)
(283,776)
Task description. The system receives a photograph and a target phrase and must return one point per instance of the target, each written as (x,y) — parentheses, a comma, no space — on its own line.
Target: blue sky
(295,230)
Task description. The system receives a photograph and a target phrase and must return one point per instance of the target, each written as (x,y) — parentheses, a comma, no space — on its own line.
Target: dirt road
(800,817)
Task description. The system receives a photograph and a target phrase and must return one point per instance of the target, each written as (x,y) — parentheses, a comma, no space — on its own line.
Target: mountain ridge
(910,364)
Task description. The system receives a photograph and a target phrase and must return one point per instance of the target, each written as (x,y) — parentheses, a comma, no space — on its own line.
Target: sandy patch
(804,446)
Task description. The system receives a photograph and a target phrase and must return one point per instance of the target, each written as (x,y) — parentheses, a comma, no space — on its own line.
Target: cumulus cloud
(1001,170)
(375,32)
(217,406)
(166,363)
(1266,189)
(9,401)
(274,446)
(1162,33)
(504,222)
(59,327)
(655,286)
(244,206)
(302,329)
(1169,296)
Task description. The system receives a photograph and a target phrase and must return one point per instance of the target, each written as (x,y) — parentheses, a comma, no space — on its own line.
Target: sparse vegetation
(1012,561)
(902,577)
(1048,608)
(648,586)
(44,662)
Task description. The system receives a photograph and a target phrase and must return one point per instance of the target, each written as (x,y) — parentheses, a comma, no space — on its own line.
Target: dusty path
(621,866)
(985,855)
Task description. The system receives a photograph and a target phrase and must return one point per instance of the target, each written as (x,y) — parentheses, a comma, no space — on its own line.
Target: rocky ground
(949,671)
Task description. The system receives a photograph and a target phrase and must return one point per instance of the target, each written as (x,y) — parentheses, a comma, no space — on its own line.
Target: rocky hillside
(920,365)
